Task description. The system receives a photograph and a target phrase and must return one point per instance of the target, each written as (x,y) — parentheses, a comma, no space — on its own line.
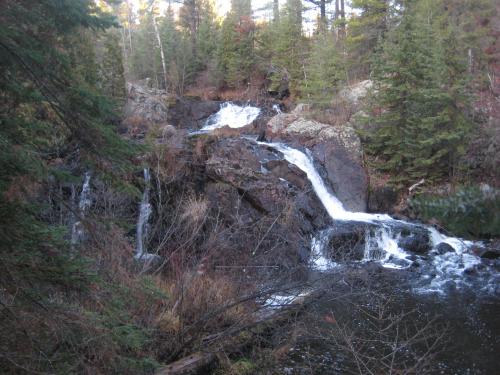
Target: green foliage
(288,47)
(418,116)
(112,73)
(52,110)
(324,70)
(470,212)
(366,30)
(235,53)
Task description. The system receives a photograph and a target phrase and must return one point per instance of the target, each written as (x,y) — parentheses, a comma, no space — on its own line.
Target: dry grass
(195,211)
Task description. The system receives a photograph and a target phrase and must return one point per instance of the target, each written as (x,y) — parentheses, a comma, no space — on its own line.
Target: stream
(447,284)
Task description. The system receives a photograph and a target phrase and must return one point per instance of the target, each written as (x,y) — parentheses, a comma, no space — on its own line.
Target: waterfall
(277,109)
(142,228)
(318,246)
(332,205)
(231,115)
(383,234)
(77,232)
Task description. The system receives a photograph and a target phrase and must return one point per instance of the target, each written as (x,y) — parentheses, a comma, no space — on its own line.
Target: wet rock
(336,148)
(488,253)
(249,185)
(191,113)
(418,243)
(346,241)
(345,173)
(289,172)
(382,199)
(444,248)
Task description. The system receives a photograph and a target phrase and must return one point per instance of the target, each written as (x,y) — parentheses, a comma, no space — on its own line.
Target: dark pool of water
(372,323)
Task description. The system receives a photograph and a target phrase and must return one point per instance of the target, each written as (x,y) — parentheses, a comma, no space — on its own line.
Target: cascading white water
(318,245)
(143,220)
(231,115)
(84,203)
(277,109)
(381,240)
(383,232)
(332,205)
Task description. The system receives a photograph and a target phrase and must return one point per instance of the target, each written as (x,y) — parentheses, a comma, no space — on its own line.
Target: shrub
(471,212)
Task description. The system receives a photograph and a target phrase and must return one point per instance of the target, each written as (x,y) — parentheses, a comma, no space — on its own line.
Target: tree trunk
(129,28)
(276,11)
(342,16)
(322,8)
(162,54)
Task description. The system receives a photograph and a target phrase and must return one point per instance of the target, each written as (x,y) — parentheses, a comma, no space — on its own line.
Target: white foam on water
(318,244)
(142,228)
(231,115)
(451,265)
(332,205)
(382,244)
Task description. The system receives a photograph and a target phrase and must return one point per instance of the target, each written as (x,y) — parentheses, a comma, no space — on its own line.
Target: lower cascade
(384,236)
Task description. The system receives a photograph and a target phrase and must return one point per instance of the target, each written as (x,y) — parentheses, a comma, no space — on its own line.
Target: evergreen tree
(50,109)
(112,68)
(365,31)
(236,54)
(288,47)
(145,56)
(418,116)
(324,70)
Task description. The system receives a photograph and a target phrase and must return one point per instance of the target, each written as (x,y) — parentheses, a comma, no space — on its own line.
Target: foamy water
(231,115)
(381,242)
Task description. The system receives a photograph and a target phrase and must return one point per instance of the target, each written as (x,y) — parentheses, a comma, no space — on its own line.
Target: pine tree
(419,125)
(50,109)
(325,70)
(288,47)
(236,47)
(365,31)
(112,68)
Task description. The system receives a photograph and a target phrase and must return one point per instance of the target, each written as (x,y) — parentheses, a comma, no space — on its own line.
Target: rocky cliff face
(147,107)
(337,148)
(249,183)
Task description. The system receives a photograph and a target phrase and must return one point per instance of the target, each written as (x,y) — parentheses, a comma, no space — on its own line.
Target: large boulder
(382,199)
(346,241)
(145,105)
(337,148)
(191,113)
(249,183)
(355,93)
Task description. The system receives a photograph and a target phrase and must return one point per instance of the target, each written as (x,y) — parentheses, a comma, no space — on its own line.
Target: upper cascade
(231,115)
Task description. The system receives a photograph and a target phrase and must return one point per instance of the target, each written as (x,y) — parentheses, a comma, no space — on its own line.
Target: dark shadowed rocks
(191,113)
(382,199)
(336,148)
(249,183)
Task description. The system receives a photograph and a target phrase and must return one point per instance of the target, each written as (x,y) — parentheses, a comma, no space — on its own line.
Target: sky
(223,6)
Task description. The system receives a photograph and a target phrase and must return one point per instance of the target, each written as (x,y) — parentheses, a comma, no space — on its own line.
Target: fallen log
(190,365)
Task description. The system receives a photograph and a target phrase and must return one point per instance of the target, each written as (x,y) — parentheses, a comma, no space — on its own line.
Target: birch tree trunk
(162,54)
(276,11)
